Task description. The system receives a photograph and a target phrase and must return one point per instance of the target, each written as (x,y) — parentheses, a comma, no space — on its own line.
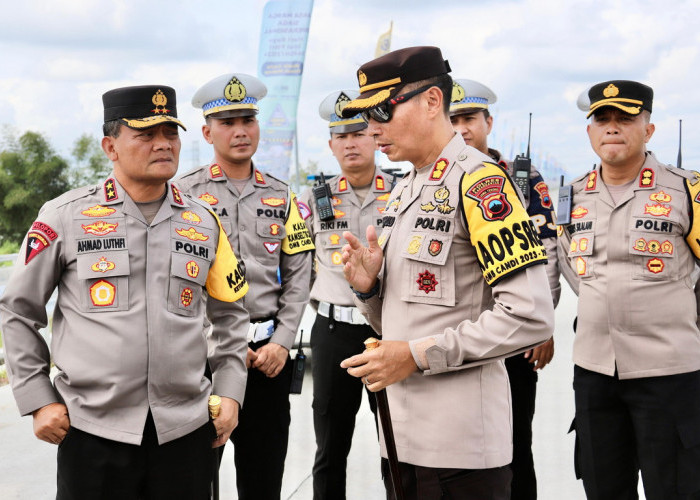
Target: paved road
(27,466)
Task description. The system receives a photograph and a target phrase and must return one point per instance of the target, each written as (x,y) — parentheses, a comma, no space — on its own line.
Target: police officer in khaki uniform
(631,245)
(360,194)
(261,218)
(470,116)
(455,282)
(131,258)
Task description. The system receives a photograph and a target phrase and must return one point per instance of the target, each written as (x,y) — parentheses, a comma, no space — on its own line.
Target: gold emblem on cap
(340,103)
(361,78)
(458,93)
(611,91)
(159,101)
(235,90)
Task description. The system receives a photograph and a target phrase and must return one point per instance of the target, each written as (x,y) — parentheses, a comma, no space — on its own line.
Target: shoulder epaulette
(272,177)
(691,175)
(71,196)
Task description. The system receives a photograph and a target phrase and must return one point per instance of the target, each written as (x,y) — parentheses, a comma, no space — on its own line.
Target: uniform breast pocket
(329,245)
(580,252)
(188,275)
(653,256)
(104,281)
(428,269)
(270,233)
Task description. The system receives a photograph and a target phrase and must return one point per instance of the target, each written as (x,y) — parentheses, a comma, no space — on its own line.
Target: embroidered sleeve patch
(298,238)
(693,237)
(505,238)
(226,279)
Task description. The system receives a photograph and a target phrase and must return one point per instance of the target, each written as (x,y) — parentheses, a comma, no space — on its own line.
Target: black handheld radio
(323,196)
(298,368)
(564,204)
(522,167)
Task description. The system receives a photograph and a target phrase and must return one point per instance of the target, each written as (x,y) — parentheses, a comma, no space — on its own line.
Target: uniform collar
(113,193)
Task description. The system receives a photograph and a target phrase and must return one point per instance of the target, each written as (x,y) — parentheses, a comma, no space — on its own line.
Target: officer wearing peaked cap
(261,218)
(470,116)
(437,285)
(360,194)
(131,258)
(628,250)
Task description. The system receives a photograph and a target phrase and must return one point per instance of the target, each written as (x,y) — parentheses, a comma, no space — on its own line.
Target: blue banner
(285,30)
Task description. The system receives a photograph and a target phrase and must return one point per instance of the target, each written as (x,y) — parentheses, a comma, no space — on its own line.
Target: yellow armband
(226,279)
(693,238)
(298,238)
(502,233)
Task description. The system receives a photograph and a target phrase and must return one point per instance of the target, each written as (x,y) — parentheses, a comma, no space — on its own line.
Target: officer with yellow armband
(628,245)
(359,195)
(261,217)
(455,282)
(131,258)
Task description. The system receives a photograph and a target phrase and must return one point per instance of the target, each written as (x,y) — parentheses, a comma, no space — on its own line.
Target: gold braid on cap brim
(618,104)
(150,121)
(370,102)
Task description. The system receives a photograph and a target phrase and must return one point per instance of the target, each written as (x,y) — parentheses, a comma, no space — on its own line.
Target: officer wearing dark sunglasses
(454,283)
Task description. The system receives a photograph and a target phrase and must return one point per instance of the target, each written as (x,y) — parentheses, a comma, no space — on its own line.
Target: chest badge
(192,234)
(98,211)
(273,202)
(102,293)
(578,212)
(435,247)
(99,228)
(102,265)
(191,217)
(655,265)
(334,239)
(442,202)
(414,245)
(186,297)
(270,247)
(274,229)
(427,282)
(209,198)
(192,269)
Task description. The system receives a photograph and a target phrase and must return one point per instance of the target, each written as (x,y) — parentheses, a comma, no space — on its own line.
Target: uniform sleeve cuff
(284,337)
(35,395)
(419,350)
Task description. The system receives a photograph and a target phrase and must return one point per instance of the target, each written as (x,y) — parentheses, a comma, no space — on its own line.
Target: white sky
(58,58)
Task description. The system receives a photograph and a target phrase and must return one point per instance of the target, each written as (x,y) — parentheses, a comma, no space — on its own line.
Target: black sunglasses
(382,113)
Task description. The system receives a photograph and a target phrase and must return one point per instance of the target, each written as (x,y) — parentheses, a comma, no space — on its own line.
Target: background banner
(285,30)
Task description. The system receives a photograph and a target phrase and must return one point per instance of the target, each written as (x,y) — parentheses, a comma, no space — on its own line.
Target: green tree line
(31,173)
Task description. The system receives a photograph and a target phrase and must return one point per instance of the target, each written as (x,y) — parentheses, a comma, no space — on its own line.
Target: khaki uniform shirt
(540,209)
(351,215)
(631,266)
(445,239)
(127,326)
(267,232)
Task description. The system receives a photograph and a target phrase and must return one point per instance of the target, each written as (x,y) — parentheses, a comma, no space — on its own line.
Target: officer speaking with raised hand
(470,116)
(628,245)
(455,282)
(261,218)
(131,258)
(358,197)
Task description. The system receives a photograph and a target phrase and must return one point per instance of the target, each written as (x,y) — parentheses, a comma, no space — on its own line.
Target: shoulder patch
(504,236)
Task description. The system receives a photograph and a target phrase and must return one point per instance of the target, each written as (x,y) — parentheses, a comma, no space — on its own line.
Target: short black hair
(443,82)
(112,128)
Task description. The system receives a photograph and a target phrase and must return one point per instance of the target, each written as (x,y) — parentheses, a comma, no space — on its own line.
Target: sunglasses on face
(382,113)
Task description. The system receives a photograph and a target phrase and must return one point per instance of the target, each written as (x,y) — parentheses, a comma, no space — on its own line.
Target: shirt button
(242,228)
(363,212)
